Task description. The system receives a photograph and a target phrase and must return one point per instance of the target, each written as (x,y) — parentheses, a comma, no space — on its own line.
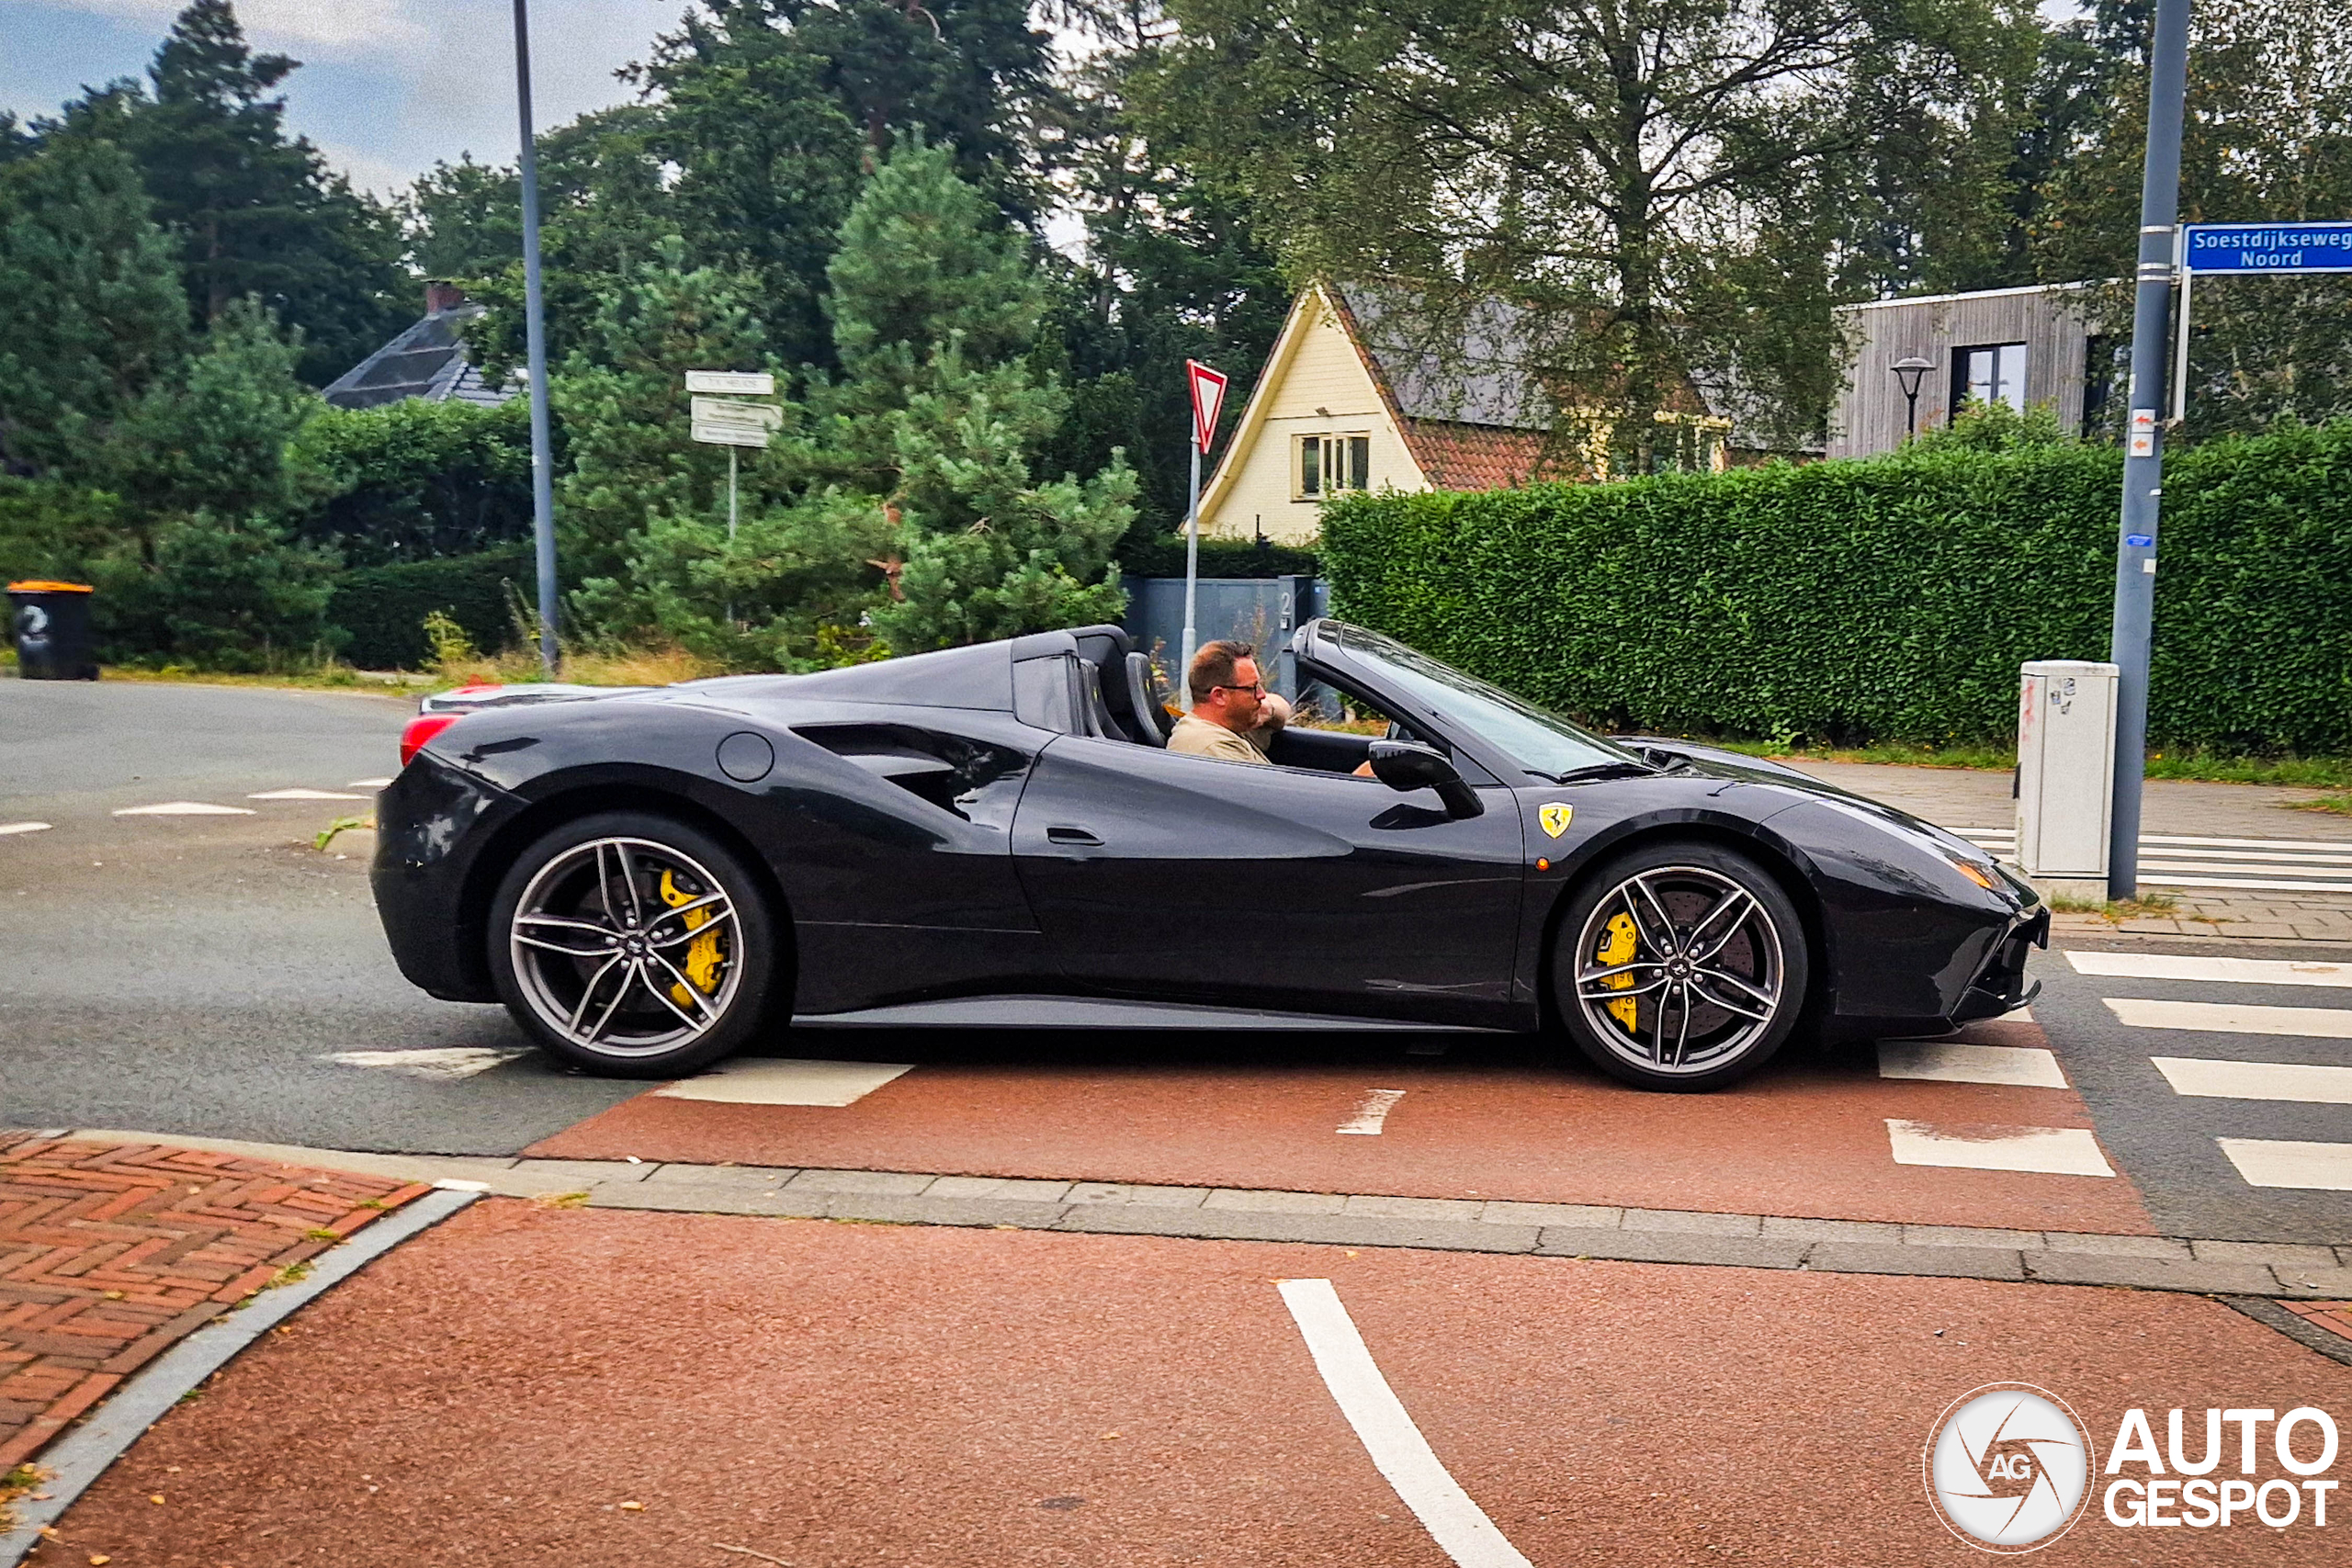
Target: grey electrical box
(2065,775)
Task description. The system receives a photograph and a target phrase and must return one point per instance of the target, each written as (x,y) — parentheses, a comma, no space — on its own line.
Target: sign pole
(2135,556)
(1191,580)
(534,333)
(1206,389)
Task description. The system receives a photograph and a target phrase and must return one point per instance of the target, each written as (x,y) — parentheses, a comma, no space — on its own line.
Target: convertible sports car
(649,878)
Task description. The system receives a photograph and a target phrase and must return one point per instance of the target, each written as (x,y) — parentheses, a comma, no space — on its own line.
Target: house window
(1994,373)
(1329,463)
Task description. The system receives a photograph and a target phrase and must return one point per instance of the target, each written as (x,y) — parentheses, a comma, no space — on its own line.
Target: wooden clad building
(2021,346)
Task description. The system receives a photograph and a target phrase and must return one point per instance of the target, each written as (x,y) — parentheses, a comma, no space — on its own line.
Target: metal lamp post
(2143,451)
(534,330)
(1908,374)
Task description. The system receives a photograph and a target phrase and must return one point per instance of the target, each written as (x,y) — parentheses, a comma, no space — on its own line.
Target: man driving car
(1234,716)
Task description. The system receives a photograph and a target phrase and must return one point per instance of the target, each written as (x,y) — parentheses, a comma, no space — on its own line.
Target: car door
(1161,873)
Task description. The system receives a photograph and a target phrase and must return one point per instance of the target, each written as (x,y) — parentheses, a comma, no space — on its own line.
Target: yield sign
(1208,396)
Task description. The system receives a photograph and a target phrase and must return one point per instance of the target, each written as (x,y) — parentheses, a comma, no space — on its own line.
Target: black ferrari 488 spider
(649,878)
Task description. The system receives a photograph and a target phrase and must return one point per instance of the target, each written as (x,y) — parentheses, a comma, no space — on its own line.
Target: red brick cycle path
(110,1253)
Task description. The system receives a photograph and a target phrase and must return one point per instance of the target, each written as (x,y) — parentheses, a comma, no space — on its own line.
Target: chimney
(440,297)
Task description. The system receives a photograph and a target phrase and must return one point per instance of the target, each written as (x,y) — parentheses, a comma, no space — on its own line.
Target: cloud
(336,25)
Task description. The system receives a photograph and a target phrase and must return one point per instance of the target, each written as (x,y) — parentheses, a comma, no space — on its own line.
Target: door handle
(1077,837)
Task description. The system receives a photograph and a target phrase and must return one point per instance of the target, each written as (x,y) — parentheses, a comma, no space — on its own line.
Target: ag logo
(1556,817)
(2007,1468)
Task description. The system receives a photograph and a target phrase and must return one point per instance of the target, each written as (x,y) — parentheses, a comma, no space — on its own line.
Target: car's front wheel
(1679,967)
(634,946)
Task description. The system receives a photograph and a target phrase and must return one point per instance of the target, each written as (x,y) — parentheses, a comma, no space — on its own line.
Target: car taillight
(422,729)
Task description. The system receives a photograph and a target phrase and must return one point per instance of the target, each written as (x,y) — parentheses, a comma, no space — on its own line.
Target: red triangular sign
(1208,396)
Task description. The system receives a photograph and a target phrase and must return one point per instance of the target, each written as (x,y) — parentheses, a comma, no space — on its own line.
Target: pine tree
(937,417)
(259,213)
(91,312)
(621,394)
(901,495)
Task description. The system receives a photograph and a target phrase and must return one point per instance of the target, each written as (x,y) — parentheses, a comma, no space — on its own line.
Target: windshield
(1544,743)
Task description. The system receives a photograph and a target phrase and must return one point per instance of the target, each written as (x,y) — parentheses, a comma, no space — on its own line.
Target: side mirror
(1407,764)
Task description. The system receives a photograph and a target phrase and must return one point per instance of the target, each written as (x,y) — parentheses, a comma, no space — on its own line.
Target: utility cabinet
(2065,773)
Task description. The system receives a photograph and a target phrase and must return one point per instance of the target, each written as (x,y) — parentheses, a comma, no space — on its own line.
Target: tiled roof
(1478,457)
(427,361)
(1481,367)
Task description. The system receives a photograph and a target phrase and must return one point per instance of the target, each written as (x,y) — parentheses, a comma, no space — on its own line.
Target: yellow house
(1349,401)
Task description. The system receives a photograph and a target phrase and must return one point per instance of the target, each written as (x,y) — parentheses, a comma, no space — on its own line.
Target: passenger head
(1224,684)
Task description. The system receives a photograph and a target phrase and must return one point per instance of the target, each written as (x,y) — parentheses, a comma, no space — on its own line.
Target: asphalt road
(191,975)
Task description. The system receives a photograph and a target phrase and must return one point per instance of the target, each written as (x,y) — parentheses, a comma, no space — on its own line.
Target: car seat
(1144,715)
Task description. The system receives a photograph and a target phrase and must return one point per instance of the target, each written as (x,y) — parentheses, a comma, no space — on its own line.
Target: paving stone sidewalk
(1971,797)
(111,1252)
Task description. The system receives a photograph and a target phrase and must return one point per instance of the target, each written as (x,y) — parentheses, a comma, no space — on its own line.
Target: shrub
(1162,555)
(383,608)
(1883,599)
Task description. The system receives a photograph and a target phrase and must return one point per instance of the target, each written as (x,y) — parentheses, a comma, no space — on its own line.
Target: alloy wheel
(626,947)
(1681,970)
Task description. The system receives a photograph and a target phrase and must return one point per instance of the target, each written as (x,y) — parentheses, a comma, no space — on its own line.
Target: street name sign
(2267,247)
(732,383)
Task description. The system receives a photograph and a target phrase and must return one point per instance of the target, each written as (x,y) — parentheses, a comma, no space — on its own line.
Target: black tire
(1699,963)
(581,975)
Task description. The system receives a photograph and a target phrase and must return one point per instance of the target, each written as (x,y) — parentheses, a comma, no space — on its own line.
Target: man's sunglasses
(1257,686)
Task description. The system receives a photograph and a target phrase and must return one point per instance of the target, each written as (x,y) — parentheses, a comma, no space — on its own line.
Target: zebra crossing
(2300,1164)
(2261,866)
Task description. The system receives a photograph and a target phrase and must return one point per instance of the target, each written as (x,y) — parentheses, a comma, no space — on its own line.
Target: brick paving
(2335,1315)
(110,1253)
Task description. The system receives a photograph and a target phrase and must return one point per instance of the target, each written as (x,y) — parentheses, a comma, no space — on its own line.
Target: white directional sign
(732,383)
(723,423)
(718,411)
(730,434)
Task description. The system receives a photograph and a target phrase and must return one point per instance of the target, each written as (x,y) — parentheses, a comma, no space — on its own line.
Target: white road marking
(186,809)
(7,828)
(1372,1112)
(785,1080)
(2257,1080)
(1398,1452)
(2234,971)
(2051,1151)
(2232,1018)
(304,795)
(369,783)
(2274,865)
(2278,1162)
(1951,1061)
(2332,846)
(439,1066)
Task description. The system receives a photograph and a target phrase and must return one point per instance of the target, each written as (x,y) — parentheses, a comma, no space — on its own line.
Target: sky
(387,88)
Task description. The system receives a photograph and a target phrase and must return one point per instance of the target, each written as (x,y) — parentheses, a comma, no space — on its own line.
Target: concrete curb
(83,1454)
(2197,1266)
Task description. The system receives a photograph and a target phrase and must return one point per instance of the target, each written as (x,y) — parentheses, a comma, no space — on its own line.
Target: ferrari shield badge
(1556,817)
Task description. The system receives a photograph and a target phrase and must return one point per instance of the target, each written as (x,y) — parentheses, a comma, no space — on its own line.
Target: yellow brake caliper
(702,953)
(1617,946)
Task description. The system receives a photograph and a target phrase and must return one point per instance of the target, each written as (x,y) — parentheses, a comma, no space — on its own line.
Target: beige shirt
(1198,738)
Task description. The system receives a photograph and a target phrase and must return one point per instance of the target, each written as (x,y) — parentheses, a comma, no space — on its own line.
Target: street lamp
(1909,373)
(535,334)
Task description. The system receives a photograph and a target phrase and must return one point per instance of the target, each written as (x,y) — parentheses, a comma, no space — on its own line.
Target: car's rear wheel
(633,945)
(1679,967)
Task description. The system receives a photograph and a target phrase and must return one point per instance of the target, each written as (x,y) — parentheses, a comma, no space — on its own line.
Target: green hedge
(1883,599)
(1163,555)
(383,607)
